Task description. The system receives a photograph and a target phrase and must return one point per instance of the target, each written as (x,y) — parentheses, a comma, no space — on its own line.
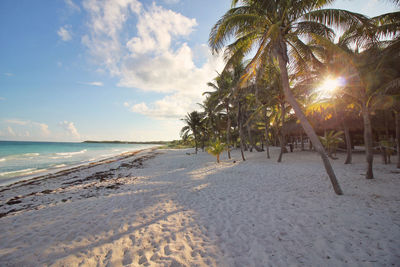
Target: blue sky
(108,69)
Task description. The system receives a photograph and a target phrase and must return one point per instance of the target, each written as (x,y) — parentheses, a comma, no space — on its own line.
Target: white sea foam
(71,153)
(31,154)
(24,171)
(2,159)
(59,166)
(61,157)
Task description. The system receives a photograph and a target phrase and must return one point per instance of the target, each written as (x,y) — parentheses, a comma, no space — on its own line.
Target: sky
(109,69)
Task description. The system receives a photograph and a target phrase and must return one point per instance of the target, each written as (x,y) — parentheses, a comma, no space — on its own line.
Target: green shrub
(216,149)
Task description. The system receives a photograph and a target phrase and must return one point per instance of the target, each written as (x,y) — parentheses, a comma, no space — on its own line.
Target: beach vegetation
(331,141)
(289,78)
(216,148)
(194,127)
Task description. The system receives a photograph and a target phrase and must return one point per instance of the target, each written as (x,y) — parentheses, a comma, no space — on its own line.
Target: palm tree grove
(208,133)
(301,76)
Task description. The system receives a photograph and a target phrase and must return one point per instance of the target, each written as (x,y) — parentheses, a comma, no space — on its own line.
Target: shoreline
(98,174)
(64,170)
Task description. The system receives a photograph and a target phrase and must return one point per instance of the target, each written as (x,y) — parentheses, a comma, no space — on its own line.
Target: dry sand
(167,208)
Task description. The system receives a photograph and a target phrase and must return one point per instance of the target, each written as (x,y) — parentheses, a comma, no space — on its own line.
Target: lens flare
(329,85)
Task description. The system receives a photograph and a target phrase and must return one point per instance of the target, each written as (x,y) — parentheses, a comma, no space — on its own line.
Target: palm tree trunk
(195,141)
(228,132)
(266,136)
(282,135)
(397,119)
(348,143)
(282,59)
(251,145)
(239,122)
(368,141)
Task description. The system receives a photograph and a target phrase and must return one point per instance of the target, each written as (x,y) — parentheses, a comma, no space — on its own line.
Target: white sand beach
(168,208)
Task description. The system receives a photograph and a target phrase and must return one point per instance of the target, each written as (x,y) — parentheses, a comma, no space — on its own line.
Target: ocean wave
(25,171)
(31,154)
(20,156)
(59,166)
(107,155)
(61,157)
(71,153)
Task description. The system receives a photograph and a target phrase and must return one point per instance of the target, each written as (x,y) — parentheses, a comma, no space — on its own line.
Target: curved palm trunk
(282,135)
(228,133)
(348,143)
(282,59)
(397,119)
(368,141)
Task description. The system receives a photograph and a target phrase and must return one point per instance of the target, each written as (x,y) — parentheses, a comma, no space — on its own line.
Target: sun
(329,85)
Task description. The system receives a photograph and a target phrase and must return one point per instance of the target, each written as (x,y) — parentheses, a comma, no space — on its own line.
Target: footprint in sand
(108,257)
(142,260)
(128,259)
(132,237)
(167,250)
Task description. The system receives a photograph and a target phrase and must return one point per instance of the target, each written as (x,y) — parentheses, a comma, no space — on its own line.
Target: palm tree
(194,121)
(331,140)
(364,87)
(223,85)
(369,71)
(216,149)
(271,26)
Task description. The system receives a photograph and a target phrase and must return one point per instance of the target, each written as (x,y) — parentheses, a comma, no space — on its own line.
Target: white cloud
(156,28)
(72,5)
(107,18)
(44,128)
(9,74)
(126,104)
(173,106)
(2,98)
(41,128)
(92,83)
(16,121)
(10,131)
(65,33)
(155,59)
(70,129)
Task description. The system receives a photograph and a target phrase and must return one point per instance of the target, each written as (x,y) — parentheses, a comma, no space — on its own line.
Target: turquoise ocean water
(19,160)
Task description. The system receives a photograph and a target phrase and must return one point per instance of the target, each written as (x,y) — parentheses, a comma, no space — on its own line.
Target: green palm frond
(339,18)
(216,148)
(307,27)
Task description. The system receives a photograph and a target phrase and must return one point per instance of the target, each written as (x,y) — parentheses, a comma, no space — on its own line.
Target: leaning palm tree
(270,26)
(194,123)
